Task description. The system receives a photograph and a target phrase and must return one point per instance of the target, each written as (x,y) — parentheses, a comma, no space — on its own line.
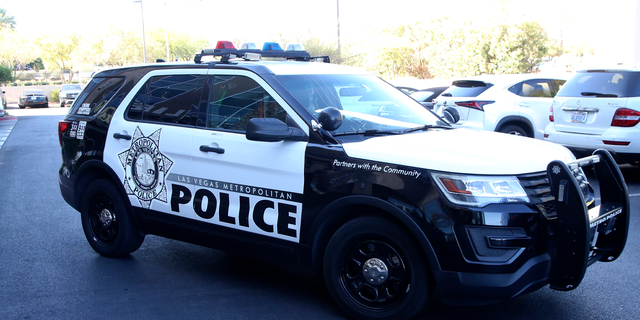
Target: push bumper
(587,235)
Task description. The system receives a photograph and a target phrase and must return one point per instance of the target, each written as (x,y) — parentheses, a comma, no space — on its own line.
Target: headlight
(479,191)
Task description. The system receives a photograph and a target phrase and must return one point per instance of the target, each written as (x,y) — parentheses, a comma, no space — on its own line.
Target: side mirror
(330,118)
(451,114)
(272,130)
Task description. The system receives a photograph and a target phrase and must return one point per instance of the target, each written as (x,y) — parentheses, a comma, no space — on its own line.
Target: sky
(602,25)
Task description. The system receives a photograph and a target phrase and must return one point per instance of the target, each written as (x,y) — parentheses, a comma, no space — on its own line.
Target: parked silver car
(68,94)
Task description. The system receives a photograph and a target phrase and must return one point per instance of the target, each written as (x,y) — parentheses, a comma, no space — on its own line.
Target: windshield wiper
(369,132)
(597,94)
(428,126)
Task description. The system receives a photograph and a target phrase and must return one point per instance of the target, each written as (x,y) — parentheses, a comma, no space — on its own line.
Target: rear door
(148,143)
(587,103)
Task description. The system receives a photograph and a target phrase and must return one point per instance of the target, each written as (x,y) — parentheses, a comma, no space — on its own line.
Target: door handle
(211,149)
(122,136)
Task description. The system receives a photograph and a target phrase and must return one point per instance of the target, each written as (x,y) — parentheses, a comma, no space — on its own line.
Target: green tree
(113,47)
(15,50)
(37,64)
(515,49)
(58,51)
(6,20)
(5,75)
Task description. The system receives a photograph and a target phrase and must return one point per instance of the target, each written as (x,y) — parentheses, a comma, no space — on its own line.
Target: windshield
(71,87)
(366,102)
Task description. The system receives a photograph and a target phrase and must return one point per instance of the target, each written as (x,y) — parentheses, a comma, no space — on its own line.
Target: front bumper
(579,237)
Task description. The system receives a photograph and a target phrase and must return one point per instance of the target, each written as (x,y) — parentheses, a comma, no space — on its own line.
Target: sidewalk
(6,125)
(8,117)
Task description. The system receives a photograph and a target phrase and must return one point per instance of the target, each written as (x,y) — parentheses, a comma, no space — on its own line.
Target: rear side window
(99,93)
(234,100)
(601,84)
(537,88)
(168,99)
(466,88)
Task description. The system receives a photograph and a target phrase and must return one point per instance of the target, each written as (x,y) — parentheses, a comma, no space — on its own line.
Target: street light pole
(144,42)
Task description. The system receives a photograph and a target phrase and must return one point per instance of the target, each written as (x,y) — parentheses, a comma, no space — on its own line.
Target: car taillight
(551,114)
(63,129)
(625,118)
(474,104)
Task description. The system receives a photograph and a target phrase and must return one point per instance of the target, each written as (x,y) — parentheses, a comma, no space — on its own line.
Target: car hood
(462,151)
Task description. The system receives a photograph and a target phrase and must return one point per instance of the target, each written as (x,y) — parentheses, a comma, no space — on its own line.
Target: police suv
(331,169)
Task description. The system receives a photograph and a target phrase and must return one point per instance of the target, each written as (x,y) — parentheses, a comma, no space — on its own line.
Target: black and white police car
(329,168)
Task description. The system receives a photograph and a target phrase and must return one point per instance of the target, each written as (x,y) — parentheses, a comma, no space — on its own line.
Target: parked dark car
(33,98)
(426,96)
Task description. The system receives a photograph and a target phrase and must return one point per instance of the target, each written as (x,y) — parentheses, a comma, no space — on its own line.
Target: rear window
(96,95)
(466,88)
(601,84)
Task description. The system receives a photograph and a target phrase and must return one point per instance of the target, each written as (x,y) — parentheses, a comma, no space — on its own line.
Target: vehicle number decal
(74,129)
(85,109)
(82,125)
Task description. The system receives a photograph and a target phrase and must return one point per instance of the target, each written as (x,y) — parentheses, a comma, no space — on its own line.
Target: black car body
(331,169)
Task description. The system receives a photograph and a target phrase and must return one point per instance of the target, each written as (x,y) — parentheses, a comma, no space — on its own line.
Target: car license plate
(580,117)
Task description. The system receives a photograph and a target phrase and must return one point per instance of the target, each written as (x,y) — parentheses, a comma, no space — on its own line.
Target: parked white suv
(599,108)
(516,104)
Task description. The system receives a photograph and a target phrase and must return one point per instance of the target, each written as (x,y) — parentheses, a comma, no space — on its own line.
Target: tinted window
(600,84)
(466,88)
(99,93)
(236,99)
(168,99)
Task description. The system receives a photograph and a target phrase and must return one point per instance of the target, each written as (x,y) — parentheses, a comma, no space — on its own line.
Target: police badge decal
(145,168)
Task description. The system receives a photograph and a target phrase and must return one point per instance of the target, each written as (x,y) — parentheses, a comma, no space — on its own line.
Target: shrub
(5,74)
(55,95)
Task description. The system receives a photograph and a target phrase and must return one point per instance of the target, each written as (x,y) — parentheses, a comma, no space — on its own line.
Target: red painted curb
(8,118)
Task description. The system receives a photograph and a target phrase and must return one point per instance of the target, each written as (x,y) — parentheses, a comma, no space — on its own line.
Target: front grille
(539,190)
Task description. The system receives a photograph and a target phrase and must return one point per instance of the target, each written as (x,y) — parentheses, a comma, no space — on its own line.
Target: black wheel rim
(374,294)
(102,217)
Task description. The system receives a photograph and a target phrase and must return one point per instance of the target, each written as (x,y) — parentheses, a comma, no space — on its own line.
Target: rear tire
(106,220)
(374,271)
(514,130)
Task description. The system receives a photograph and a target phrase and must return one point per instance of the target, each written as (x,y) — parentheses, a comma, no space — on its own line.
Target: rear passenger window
(234,100)
(168,99)
(99,93)
(537,88)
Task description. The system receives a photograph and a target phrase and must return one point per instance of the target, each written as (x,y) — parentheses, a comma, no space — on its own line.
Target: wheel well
(522,123)
(343,214)
(86,177)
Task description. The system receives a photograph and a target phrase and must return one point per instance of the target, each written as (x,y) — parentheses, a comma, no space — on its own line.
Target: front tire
(374,271)
(514,130)
(106,221)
